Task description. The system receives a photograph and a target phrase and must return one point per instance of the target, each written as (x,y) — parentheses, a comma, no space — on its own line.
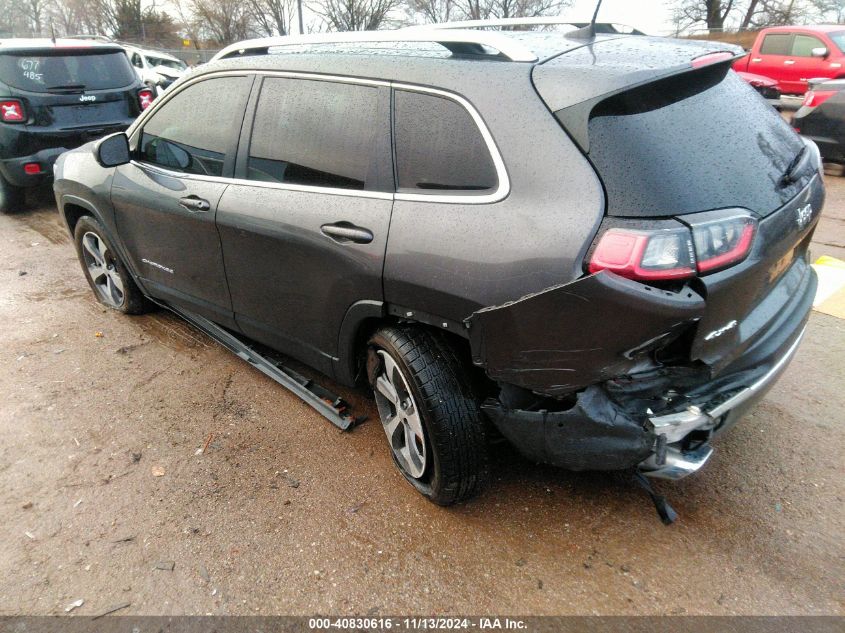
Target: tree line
(742,15)
(221,22)
(215,23)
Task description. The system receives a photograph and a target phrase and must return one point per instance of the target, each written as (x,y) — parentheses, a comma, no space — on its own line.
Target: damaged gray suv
(592,245)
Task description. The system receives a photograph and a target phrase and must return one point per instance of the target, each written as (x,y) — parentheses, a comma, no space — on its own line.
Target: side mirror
(113,150)
(819,51)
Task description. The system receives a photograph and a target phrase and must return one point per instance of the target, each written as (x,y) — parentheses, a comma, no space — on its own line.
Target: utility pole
(299,13)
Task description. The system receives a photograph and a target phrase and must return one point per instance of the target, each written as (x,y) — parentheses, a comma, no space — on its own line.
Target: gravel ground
(104,497)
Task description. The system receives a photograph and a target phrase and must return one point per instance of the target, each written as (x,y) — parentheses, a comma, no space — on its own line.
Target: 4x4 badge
(803,215)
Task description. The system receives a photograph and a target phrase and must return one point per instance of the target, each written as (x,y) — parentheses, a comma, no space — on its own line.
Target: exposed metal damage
(517,343)
(583,395)
(595,434)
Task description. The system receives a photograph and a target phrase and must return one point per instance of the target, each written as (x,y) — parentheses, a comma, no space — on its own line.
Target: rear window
(42,71)
(776,44)
(439,146)
(697,141)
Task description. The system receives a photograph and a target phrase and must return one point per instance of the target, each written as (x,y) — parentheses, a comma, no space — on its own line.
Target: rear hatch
(673,133)
(72,94)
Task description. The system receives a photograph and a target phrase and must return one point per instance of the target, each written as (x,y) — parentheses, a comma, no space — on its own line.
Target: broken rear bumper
(598,434)
(676,462)
(660,421)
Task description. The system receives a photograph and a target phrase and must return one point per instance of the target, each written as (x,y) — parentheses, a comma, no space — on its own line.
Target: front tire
(11,198)
(429,413)
(106,274)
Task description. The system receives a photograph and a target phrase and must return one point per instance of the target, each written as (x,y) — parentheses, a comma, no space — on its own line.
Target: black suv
(592,245)
(55,96)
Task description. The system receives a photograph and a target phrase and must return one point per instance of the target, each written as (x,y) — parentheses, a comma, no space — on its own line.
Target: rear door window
(803,45)
(43,72)
(195,131)
(315,133)
(439,147)
(776,44)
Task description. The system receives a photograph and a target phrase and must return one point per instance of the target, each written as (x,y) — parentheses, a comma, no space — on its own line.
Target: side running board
(332,406)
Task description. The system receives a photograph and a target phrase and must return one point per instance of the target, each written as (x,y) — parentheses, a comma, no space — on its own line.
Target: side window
(136,60)
(776,44)
(803,45)
(192,131)
(439,146)
(316,133)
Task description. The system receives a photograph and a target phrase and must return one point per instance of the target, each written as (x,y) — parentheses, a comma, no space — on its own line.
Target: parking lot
(143,466)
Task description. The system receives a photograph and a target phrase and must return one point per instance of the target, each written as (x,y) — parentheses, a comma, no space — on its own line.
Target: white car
(156,69)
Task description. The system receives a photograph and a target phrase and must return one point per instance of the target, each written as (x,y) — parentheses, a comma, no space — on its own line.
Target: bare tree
(223,21)
(66,16)
(446,10)
(762,13)
(830,10)
(12,20)
(355,15)
(34,12)
(525,8)
(273,17)
(434,11)
(711,13)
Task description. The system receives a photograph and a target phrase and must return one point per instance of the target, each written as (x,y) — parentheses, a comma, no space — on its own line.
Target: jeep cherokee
(594,246)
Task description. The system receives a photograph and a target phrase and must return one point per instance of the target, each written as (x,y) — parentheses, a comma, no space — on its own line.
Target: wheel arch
(73,207)
(361,321)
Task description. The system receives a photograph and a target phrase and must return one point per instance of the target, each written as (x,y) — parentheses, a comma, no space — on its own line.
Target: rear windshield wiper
(67,88)
(798,164)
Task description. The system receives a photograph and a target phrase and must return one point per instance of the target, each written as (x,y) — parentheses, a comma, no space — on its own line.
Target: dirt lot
(101,485)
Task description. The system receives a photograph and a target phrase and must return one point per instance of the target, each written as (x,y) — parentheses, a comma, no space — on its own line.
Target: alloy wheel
(102,268)
(400,417)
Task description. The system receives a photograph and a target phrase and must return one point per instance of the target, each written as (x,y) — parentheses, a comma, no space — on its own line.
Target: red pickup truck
(791,55)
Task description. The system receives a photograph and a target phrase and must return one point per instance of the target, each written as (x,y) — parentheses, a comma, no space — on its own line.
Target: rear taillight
(815,98)
(723,242)
(11,111)
(666,249)
(145,98)
(645,255)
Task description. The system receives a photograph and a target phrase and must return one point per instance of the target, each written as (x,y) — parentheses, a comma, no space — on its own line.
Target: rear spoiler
(616,66)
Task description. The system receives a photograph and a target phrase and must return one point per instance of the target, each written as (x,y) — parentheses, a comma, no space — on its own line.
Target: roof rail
(87,36)
(493,22)
(458,42)
(538,21)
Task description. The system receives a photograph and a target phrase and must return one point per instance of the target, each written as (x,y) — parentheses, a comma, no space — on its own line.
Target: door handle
(789,62)
(194,204)
(346,232)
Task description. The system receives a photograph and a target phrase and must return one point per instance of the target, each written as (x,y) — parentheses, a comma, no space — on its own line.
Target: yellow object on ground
(830,296)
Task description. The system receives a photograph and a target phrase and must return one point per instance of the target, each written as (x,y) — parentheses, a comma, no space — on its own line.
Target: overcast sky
(652,16)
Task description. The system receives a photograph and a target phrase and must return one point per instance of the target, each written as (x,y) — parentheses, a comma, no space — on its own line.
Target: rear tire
(423,389)
(12,198)
(106,274)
